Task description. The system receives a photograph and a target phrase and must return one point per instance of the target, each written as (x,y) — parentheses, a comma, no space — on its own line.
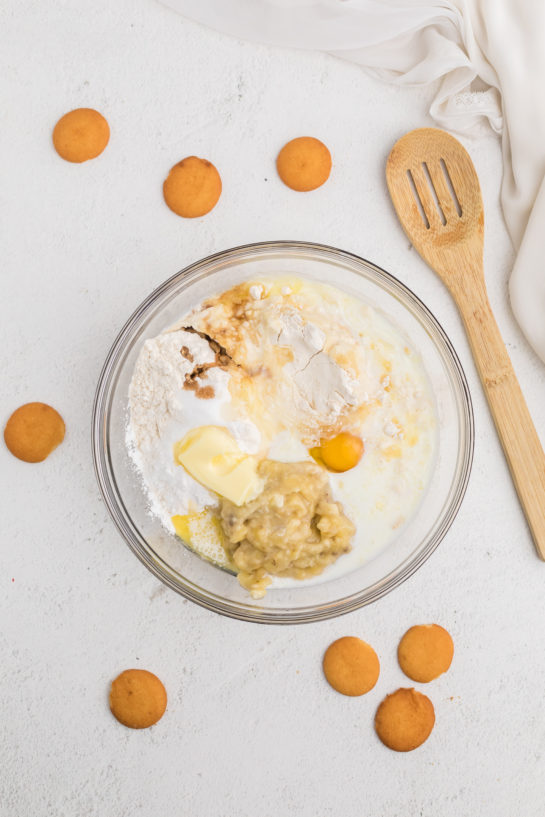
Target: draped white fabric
(490,57)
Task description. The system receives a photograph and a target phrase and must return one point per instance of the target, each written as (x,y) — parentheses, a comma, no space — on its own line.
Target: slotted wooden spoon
(436,194)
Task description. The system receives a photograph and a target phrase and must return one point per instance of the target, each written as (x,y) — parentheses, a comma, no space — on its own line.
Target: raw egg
(340,453)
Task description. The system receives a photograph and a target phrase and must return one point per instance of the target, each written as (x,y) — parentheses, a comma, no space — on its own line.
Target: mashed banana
(293,528)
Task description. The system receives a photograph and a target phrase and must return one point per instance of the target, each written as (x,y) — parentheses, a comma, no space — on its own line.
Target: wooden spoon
(436,194)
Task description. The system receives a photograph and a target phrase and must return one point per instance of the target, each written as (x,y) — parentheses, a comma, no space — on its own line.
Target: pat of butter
(212,457)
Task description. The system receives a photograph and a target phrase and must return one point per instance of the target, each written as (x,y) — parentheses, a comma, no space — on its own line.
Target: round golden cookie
(192,188)
(80,135)
(138,699)
(351,666)
(425,652)
(304,163)
(404,720)
(33,431)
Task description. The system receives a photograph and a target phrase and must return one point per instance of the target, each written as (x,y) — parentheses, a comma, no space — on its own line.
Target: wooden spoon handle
(514,424)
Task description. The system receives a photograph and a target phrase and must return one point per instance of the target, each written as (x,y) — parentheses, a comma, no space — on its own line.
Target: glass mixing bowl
(178,566)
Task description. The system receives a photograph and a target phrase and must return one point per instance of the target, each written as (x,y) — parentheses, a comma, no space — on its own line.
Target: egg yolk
(341,453)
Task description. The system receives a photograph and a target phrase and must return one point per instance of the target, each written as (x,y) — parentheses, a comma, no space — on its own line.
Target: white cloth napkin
(490,56)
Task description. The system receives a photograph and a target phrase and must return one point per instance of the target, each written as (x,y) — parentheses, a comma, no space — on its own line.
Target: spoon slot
(418,200)
(434,193)
(450,186)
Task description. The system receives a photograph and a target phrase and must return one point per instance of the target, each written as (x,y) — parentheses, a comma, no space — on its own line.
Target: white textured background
(251,727)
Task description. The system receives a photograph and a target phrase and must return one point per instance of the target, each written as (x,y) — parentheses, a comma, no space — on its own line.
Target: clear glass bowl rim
(131,535)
